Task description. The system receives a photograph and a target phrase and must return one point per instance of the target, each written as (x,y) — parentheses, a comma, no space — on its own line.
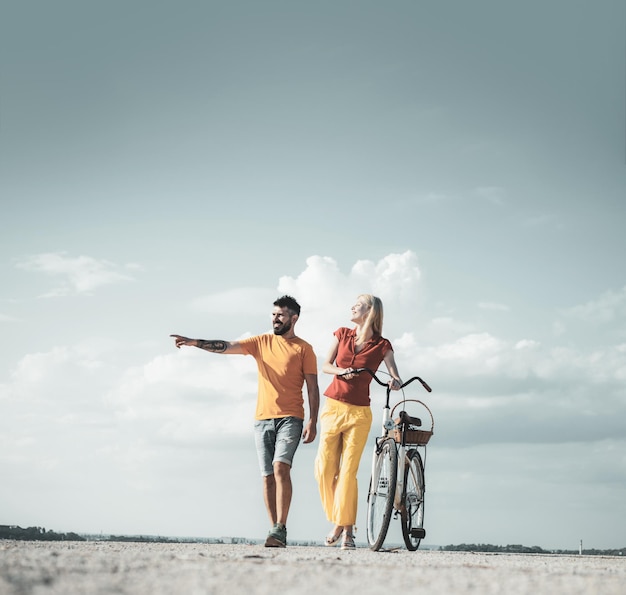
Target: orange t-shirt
(282,364)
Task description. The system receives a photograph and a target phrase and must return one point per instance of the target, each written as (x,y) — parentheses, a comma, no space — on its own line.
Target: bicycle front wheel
(381,493)
(412,512)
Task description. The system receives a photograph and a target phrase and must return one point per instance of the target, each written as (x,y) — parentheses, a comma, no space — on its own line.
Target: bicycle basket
(407,433)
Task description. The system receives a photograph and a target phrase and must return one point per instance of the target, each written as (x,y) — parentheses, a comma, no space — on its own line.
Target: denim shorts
(276,441)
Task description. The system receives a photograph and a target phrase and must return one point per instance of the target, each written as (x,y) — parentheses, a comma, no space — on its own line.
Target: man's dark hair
(286,301)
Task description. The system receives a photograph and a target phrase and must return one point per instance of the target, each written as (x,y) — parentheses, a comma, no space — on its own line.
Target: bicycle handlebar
(373,375)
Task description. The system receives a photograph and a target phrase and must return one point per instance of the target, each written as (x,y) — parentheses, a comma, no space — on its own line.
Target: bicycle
(397,483)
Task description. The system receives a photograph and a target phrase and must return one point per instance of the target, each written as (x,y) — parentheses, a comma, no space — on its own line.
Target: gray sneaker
(277,537)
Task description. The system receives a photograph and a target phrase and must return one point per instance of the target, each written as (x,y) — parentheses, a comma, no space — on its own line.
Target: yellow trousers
(343,434)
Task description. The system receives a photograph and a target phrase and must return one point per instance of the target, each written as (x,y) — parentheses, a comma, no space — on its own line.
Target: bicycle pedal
(418,533)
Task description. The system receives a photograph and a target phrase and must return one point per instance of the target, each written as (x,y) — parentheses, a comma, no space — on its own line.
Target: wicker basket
(412,436)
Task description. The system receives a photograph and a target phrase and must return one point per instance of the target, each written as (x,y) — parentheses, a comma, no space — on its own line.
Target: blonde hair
(374,318)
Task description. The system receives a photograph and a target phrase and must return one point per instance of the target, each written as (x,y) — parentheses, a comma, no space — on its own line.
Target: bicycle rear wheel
(412,512)
(381,493)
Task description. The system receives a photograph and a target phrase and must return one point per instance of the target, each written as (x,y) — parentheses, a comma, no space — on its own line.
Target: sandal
(347,543)
(333,538)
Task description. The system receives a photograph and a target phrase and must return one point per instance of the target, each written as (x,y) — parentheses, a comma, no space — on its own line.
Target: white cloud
(477,353)
(320,285)
(393,278)
(79,274)
(189,396)
(610,306)
(326,293)
(68,371)
(484,355)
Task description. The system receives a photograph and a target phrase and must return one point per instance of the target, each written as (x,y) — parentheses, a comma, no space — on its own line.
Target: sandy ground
(88,568)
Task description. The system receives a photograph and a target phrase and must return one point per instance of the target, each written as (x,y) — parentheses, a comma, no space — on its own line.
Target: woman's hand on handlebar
(395,384)
(347,373)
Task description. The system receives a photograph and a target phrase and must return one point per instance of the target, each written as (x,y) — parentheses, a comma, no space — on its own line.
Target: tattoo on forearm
(212,345)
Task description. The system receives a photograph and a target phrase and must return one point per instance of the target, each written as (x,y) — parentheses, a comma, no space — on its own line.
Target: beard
(283,328)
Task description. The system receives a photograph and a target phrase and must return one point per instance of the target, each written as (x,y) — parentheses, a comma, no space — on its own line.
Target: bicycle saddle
(408,421)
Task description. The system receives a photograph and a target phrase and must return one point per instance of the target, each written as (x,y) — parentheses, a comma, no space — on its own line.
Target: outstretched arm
(310,429)
(212,345)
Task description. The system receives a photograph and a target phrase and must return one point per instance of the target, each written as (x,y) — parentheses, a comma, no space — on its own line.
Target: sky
(173,167)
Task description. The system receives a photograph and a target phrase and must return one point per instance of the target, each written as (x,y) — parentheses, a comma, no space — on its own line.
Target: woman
(347,417)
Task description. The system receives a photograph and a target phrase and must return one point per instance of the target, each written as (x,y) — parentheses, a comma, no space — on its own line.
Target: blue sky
(173,167)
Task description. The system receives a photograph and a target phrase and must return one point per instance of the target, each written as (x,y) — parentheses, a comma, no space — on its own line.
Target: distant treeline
(36,534)
(523,549)
(40,534)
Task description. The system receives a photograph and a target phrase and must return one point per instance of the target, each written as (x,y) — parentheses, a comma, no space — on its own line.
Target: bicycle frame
(388,426)
(405,504)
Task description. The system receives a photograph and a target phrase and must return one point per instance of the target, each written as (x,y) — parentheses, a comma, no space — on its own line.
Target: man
(285,362)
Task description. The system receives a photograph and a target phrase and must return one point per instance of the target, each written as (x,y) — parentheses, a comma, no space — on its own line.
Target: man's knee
(282,470)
